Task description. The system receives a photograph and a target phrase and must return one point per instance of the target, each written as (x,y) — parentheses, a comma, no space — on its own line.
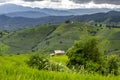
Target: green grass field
(13,67)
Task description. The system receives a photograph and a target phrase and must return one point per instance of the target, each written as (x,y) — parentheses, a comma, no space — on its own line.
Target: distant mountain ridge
(109,17)
(13,8)
(15,23)
(28,14)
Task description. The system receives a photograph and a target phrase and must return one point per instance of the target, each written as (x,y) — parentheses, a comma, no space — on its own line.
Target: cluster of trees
(90,54)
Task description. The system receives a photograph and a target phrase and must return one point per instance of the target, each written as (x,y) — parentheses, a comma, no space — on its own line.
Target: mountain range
(14,17)
(16,23)
(11,9)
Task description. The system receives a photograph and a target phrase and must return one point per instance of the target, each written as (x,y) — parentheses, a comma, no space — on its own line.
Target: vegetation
(43,63)
(26,40)
(113,64)
(14,67)
(3,48)
(85,60)
(86,52)
(46,37)
(62,36)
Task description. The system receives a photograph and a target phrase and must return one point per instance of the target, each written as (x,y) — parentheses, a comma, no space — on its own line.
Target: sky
(65,4)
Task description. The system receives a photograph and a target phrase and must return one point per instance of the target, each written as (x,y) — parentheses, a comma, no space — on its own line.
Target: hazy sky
(68,4)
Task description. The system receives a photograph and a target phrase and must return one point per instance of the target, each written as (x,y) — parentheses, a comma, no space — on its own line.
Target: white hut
(57,52)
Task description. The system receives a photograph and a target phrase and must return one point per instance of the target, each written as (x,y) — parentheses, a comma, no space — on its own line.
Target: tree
(86,52)
(67,21)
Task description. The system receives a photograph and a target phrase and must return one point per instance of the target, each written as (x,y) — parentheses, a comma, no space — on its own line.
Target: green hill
(61,36)
(113,36)
(25,40)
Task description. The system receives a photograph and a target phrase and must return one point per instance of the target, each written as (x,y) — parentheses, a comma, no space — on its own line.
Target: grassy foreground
(14,68)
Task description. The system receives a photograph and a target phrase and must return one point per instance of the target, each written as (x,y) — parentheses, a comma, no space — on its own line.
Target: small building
(57,52)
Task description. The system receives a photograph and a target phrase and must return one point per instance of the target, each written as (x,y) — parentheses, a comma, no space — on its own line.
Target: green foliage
(42,63)
(87,53)
(38,61)
(112,64)
(92,66)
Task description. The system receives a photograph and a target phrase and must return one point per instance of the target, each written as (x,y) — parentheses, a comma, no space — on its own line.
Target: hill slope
(61,36)
(25,40)
(46,37)
(113,36)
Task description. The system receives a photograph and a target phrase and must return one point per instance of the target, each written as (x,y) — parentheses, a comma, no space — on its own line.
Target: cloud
(2,1)
(43,0)
(81,1)
(33,0)
(65,4)
(56,0)
(115,2)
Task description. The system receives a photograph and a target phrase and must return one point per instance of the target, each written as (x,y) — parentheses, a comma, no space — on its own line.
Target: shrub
(42,63)
(38,61)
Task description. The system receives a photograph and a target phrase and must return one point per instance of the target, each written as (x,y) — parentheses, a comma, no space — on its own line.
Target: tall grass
(60,59)
(14,68)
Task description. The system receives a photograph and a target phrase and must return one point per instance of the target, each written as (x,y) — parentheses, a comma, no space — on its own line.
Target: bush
(38,61)
(112,64)
(42,63)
